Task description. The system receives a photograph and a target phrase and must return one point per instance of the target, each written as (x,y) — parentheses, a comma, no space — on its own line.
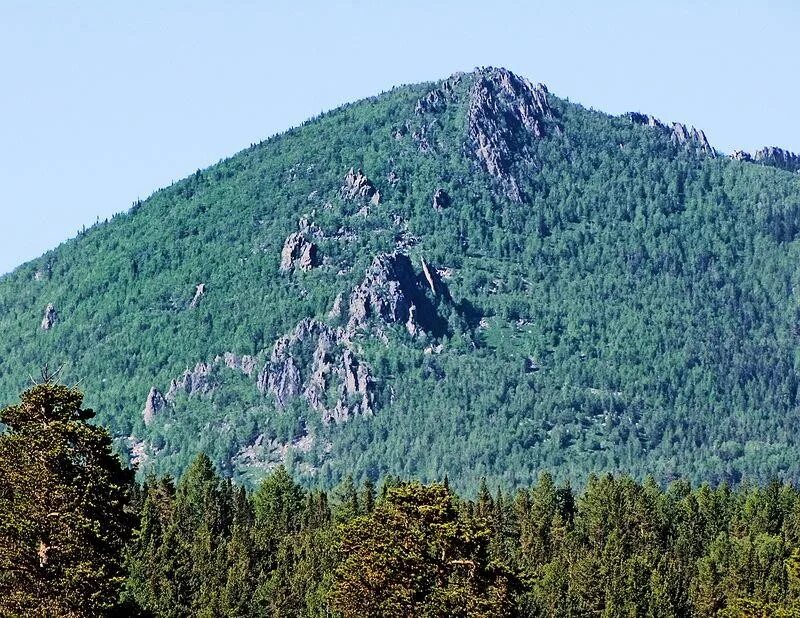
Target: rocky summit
(468,277)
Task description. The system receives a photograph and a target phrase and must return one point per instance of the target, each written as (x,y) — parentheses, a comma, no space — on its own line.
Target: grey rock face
(315,363)
(778,157)
(154,404)
(358,186)
(680,134)
(50,317)
(299,250)
(690,136)
(504,110)
(195,381)
(384,294)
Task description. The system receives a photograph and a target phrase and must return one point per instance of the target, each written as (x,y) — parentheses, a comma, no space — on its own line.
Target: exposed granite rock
(680,134)
(199,292)
(246,363)
(431,102)
(504,112)
(440,200)
(315,362)
(690,136)
(50,317)
(154,404)
(385,292)
(393,293)
(195,381)
(392,178)
(358,186)
(298,248)
(778,157)
(436,99)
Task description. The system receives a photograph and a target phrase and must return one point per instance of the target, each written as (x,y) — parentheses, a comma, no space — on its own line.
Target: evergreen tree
(64,517)
(414,556)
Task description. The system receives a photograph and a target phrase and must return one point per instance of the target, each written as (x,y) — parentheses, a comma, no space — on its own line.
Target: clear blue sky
(103,102)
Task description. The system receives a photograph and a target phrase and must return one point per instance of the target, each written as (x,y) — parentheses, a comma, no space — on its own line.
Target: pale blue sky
(103,102)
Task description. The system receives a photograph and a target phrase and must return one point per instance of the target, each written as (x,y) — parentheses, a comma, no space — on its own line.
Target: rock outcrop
(299,250)
(246,363)
(198,381)
(315,363)
(778,157)
(436,99)
(320,363)
(741,155)
(771,156)
(50,317)
(386,293)
(154,404)
(195,381)
(690,136)
(645,119)
(199,292)
(357,186)
(679,134)
(505,111)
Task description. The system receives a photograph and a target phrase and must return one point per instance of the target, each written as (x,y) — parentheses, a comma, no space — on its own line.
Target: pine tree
(414,556)
(64,517)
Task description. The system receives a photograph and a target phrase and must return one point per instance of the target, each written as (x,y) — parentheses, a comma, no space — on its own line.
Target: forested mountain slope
(471,277)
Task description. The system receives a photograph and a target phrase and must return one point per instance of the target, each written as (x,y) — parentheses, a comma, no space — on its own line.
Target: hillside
(472,277)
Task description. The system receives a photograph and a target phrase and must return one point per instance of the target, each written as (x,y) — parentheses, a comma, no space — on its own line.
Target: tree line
(79,537)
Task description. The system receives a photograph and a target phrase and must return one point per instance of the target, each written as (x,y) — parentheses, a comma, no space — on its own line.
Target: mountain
(472,277)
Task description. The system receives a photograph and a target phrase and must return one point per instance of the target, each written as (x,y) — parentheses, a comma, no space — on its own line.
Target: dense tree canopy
(636,312)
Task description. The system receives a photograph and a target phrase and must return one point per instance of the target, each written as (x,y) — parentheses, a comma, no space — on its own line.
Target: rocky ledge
(771,156)
(504,112)
(319,362)
(357,186)
(679,134)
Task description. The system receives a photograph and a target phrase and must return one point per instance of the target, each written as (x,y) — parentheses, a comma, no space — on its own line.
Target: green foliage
(414,556)
(617,548)
(638,312)
(64,516)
